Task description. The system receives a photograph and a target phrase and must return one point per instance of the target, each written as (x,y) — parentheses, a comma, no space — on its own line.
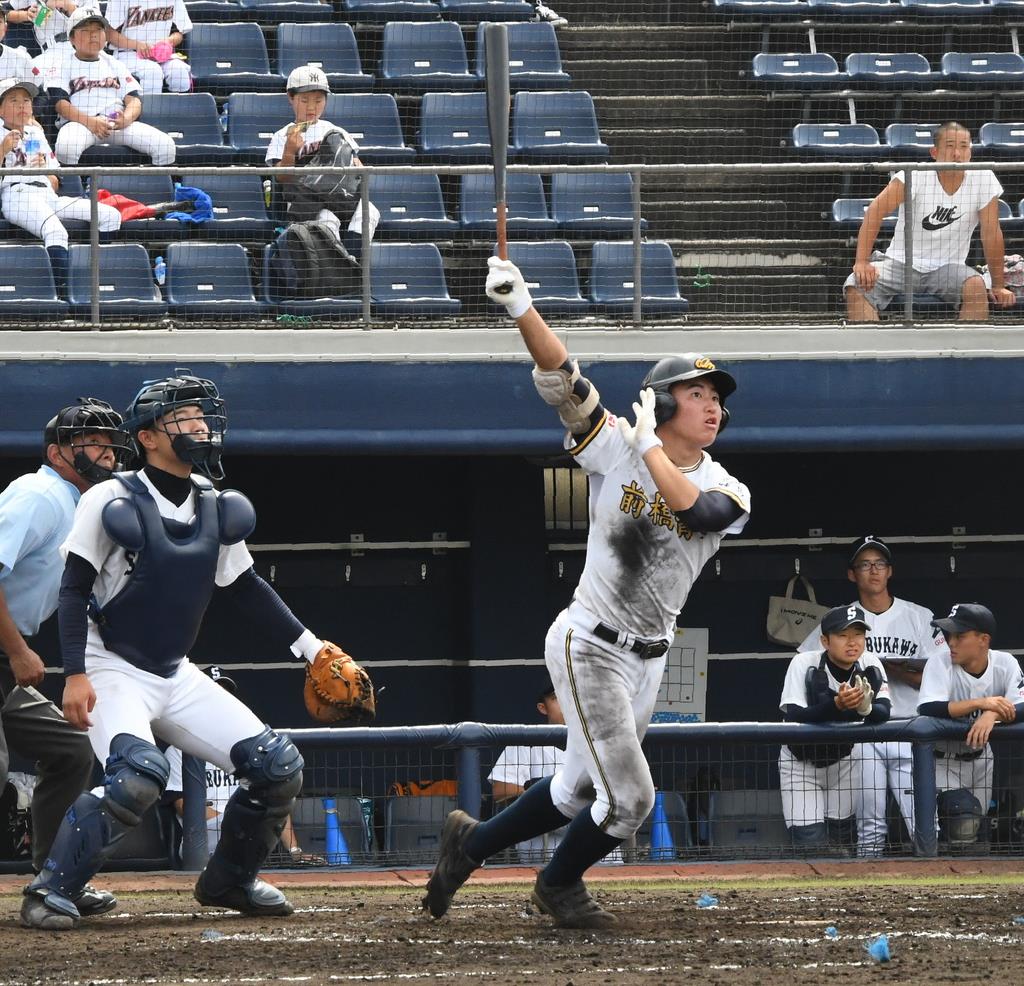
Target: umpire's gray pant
(33,727)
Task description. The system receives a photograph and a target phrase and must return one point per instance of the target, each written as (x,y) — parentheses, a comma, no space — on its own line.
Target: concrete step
(618,76)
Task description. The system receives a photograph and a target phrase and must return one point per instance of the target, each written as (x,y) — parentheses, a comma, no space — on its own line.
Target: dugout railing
(634,263)
(698,767)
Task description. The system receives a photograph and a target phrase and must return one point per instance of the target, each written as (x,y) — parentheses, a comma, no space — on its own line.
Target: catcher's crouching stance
(145,553)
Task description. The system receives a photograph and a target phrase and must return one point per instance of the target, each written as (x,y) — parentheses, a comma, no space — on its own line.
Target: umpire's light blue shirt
(36,512)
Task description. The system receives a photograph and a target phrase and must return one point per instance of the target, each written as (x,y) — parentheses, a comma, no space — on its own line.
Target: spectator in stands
(294,145)
(947,207)
(903,639)
(545,13)
(976,686)
(15,63)
(97,99)
(143,35)
(837,683)
(31,201)
(49,22)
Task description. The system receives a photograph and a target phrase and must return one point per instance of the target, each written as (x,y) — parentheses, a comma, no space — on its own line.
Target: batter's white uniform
(188,709)
(902,632)
(15,63)
(220,785)
(958,765)
(811,794)
(151,21)
(519,765)
(641,562)
(98,88)
(32,204)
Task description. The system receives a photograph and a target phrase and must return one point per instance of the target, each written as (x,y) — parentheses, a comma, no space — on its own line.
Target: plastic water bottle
(224,118)
(31,145)
(268,190)
(160,271)
(113,111)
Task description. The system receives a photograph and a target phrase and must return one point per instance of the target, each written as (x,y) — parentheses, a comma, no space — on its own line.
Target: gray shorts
(946,283)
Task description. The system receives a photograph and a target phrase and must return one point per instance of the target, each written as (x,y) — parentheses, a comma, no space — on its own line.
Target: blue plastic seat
(217,11)
(911,139)
(239,207)
(407,280)
(417,56)
(848,214)
(228,58)
(273,12)
(330,47)
(593,205)
(948,8)
(556,127)
(127,288)
(453,127)
(984,68)
(1003,138)
(148,189)
(210,281)
(526,209)
(762,8)
(253,118)
(475,11)
(390,10)
(411,206)
(534,61)
(372,119)
(612,286)
(798,70)
(26,285)
(549,269)
(190,119)
(852,8)
(889,70)
(1008,219)
(857,140)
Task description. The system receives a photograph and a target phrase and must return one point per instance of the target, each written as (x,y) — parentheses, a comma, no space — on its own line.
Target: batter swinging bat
(498,99)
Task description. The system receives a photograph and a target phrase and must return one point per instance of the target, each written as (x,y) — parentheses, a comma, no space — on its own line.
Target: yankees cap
(843,617)
(307,78)
(968,616)
(83,15)
(547,690)
(228,684)
(6,85)
(869,541)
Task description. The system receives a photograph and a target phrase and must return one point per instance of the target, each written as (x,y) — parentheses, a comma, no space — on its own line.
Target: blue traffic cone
(662,846)
(334,841)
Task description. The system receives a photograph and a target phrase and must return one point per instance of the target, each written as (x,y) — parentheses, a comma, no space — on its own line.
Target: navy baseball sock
(59,263)
(584,844)
(531,814)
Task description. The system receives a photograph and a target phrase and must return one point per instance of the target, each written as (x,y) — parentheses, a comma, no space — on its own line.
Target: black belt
(959,756)
(647,649)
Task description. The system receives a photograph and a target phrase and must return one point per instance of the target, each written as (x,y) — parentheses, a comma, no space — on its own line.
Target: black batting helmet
(676,369)
(88,416)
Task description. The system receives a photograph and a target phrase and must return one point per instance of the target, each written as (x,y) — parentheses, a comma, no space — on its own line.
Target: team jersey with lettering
(943,224)
(311,139)
(148,20)
(794,689)
(56,22)
(642,559)
(17,158)
(15,63)
(93,87)
(903,631)
(945,681)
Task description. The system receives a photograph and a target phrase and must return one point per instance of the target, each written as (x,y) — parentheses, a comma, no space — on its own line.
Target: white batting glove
(868,699)
(505,286)
(641,435)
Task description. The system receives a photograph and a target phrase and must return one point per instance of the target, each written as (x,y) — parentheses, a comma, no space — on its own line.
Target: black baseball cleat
(453,864)
(259,899)
(92,902)
(571,906)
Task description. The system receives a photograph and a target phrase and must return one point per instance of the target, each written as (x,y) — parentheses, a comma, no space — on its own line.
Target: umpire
(82,445)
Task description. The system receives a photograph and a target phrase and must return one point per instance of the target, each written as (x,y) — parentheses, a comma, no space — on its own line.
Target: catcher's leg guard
(253,820)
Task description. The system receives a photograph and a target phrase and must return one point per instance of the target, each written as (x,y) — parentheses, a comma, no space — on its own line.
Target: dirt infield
(765,929)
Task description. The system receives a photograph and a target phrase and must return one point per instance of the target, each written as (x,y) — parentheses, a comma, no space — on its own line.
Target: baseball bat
(498,101)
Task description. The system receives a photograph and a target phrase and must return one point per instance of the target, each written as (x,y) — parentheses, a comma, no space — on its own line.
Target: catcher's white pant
(607,694)
(811,794)
(974,775)
(188,710)
(883,765)
(73,139)
(39,209)
(151,75)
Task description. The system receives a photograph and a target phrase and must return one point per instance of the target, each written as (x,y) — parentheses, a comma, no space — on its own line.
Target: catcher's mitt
(337,689)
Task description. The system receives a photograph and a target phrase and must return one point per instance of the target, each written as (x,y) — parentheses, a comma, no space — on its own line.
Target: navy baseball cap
(546,691)
(968,616)
(842,617)
(869,541)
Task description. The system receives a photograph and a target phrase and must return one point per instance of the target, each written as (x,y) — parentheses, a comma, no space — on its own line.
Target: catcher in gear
(337,689)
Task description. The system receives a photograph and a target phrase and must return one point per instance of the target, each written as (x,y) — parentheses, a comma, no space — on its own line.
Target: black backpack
(307,261)
(308,194)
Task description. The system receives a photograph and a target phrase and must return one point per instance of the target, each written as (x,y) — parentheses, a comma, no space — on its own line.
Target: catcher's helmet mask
(159,398)
(88,416)
(681,369)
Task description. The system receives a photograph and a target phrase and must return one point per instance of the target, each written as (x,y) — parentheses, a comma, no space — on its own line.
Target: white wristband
(652,441)
(307,646)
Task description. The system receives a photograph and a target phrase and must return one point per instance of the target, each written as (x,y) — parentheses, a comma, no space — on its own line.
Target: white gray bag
(790,620)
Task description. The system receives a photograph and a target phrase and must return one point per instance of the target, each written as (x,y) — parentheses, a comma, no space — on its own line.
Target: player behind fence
(659,508)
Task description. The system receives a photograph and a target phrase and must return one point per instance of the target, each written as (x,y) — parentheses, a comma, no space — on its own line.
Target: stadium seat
(229,58)
(453,127)
(372,119)
(1008,6)
(889,70)
(798,70)
(389,10)
(191,120)
(948,8)
(556,126)
(526,209)
(988,68)
(611,279)
(418,56)
(763,8)
(1003,138)
(253,118)
(148,189)
(412,826)
(270,13)
(848,214)
(534,61)
(852,8)
(549,268)
(911,139)
(348,308)
(210,281)
(837,139)
(239,207)
(411,206)
(1009,220)
(593,205)
(407,280)
(330,47)
(216,11)
(475,11)
(127,288)
(26,284)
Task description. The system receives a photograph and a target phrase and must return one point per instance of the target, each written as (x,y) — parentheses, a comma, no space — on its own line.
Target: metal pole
(365,248)
(467,773)
(194,843)
(637,255)
(94,253)
(908,247)
(926,838)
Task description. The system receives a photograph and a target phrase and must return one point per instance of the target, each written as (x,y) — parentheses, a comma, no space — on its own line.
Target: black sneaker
(571,906)
(453,865)
(259,900)
(91,902)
